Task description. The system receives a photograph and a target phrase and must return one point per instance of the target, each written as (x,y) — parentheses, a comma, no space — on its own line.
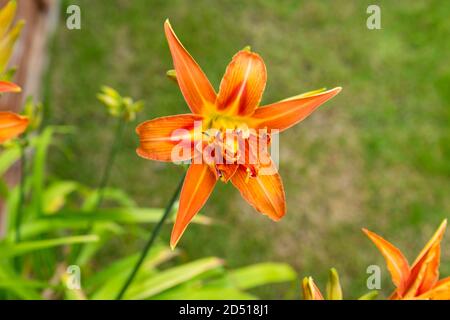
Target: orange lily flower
(11,125)
(234,108)
(421,280)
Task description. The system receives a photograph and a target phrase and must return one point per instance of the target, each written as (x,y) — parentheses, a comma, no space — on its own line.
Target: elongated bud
(307,288)
(334,290)
(7,14)
(310,290)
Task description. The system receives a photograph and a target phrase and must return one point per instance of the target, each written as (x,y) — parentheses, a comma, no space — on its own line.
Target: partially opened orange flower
(11,125)
(225,126)
(421,280)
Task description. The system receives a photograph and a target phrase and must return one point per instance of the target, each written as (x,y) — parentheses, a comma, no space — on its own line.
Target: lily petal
(195,86)
(6,86)
(435,239)
(395,260)
(425,270)
(169,138)
(243,84)
(441,291)
(264,192)
(197,187)
(11,125)
(286,113)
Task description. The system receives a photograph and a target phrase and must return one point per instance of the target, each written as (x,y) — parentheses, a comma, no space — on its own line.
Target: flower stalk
(152,239)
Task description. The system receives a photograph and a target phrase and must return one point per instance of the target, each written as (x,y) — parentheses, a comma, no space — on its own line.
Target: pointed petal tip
(335,91)
(278,217)
(6,86)
(175,238)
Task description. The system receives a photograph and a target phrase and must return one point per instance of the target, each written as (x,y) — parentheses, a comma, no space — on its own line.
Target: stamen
(248,175)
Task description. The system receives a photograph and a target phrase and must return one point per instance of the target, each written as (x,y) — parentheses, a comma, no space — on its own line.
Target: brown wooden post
(30,57)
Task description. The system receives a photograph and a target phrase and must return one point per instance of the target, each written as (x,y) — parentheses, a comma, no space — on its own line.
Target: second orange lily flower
(234,110)
(11,124)
(421,280)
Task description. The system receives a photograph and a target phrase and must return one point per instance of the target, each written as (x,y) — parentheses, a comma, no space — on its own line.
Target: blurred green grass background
(376,156)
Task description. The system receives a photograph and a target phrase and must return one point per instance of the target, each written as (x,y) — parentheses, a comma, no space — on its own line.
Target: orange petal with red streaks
(286,113)
(441,291)
(243,84)
(169,138)
(395,260)
(195,86)
(11,125)
(197,187)
(264,192)
(425,270)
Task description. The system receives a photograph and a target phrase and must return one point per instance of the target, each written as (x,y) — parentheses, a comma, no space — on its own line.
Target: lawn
(376,156)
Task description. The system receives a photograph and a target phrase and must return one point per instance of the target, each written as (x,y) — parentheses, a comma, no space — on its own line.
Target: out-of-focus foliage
(57,215)
(9,34)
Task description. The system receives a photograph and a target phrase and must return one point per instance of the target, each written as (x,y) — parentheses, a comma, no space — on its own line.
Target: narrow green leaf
(170,278)
(113,277)
(261,274)
(8,250)
(206,294)
(371,295)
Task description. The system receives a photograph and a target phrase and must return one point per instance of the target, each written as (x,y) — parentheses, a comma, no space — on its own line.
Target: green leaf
(206,294)
(38,174)
(170,278)
(18,287)
(7,158)
(109,194)
(8,250)
(54,197)
(261,274)
(122,215)
(4,192)
(113,278)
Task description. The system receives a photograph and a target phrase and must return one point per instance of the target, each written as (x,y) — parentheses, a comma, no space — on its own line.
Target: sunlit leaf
(8,250)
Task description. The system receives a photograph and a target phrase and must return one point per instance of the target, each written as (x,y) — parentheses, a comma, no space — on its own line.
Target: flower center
(228,141)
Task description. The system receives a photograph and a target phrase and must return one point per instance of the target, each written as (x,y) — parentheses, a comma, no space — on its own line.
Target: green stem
(111,157)
(120,128)
(20,205)
(151,240)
